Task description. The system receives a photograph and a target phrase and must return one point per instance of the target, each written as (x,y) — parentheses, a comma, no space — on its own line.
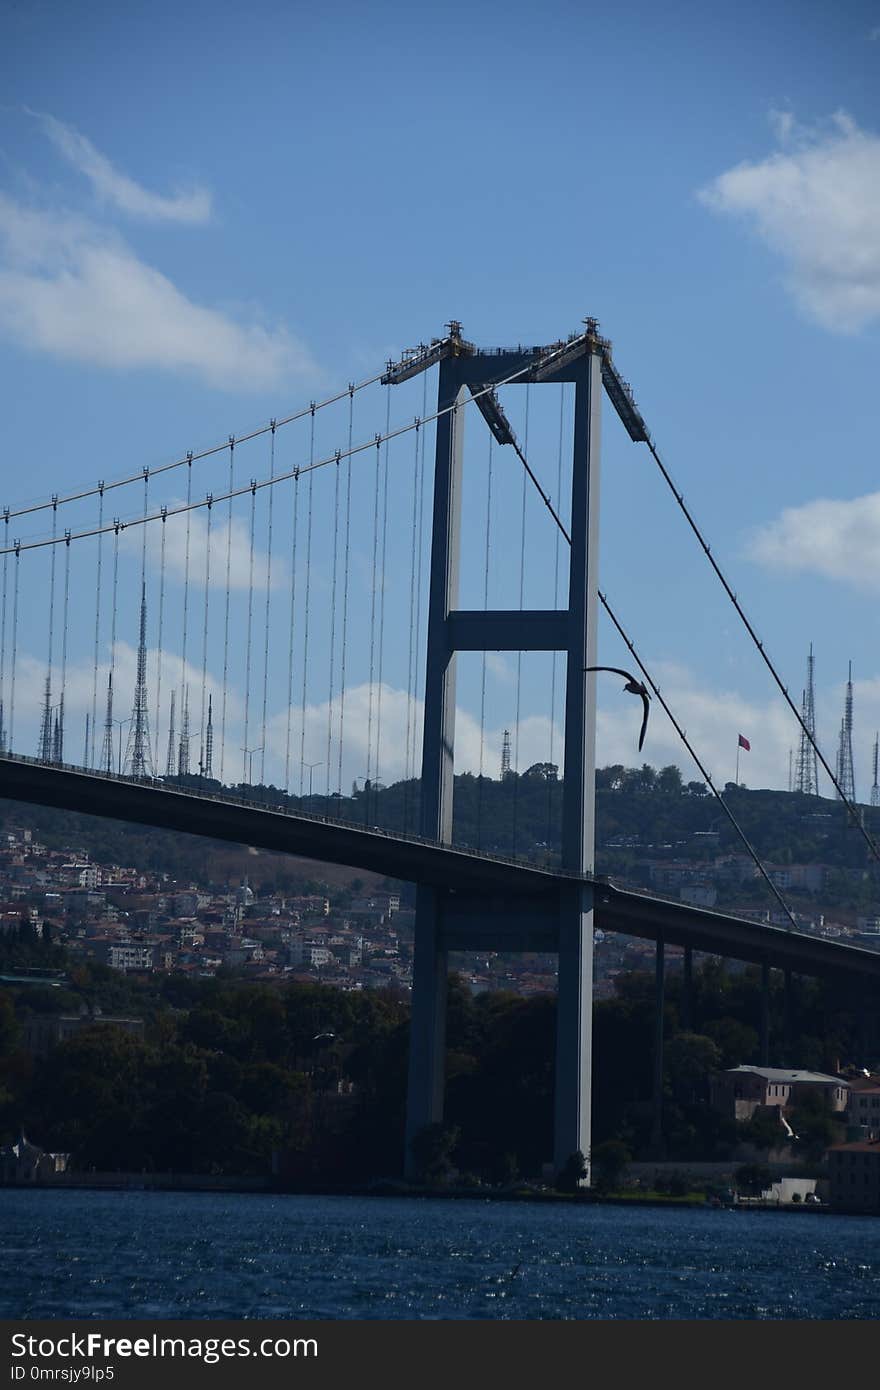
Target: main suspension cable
(682,735)
(190,457)
(707,551)
(336,457)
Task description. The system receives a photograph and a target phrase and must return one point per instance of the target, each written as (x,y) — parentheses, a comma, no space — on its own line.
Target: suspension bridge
(298,599)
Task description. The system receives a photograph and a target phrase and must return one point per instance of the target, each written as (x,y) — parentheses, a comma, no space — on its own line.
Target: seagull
(633,687)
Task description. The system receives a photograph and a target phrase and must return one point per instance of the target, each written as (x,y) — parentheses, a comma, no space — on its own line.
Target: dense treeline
(229,1073)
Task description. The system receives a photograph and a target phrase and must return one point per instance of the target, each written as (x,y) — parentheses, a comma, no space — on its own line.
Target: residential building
(738,1093)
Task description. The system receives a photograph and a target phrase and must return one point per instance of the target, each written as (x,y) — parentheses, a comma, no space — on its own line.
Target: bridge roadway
(491,903)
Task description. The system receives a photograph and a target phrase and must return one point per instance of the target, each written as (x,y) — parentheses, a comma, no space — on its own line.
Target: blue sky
(211,214)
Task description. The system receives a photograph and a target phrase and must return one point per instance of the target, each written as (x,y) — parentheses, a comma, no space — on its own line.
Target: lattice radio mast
(505,755)
(875,789)
(107,745)
(209,743)
(171,756)
(807,778)
(138,758)
(845,773)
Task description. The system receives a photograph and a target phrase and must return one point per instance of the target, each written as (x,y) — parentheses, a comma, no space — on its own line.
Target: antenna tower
(107,745)
(183,747)
(138,758)
(505,755)
(171,754)
(845,774)
(44,750)
(807,778)
(875,789)
(209,743)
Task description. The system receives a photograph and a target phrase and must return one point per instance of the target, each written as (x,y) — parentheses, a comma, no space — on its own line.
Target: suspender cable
(418,639)
(369,781)
(345,587)
(96,662)
(266,623)
(156,762)
(412,618)
(522,582)
(115,594)
(302,734)
(335,565)
(245,776)
(202,740)
(183,756)
(555,605)
(231,445)
(382,591)
(58,750)
(291,634)
(44,749)
(4,707)
(16,571)
(483,673)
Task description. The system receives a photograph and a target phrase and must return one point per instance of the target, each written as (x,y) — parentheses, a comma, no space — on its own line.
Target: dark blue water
(195,1255)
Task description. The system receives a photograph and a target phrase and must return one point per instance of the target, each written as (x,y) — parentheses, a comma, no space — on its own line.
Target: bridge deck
(493,903)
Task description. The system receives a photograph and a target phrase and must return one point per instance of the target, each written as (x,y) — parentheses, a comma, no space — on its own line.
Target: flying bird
(634,687)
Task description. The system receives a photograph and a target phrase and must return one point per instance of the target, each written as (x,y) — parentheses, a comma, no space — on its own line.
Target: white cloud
(816,202)
(119,189)
(836,539)
(77,291)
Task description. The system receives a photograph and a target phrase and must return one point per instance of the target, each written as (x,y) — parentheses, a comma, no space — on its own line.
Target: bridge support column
(659,1004)
(765,1015)
(427,1038)
(687,990)
(572,1130)
(786,1019)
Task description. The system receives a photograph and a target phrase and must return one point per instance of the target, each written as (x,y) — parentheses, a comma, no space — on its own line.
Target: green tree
(432,1150)
(752,1179)
(609,1164)
(572,1173)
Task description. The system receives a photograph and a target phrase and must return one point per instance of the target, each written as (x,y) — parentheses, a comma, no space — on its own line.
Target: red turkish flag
(744,743)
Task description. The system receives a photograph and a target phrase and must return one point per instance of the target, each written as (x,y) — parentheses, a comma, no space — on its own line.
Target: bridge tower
(562,920)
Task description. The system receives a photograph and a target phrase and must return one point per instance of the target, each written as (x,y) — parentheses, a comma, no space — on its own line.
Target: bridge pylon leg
(427,1043)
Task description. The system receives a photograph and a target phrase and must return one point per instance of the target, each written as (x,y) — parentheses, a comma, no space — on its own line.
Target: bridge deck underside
(488,904)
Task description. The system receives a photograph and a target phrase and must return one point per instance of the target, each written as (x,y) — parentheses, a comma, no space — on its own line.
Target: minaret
(807,779)
(505,754)
(171,755)
(138,758)
(209,743)
(107,745)
(875,789)
(44,750)
(845,773)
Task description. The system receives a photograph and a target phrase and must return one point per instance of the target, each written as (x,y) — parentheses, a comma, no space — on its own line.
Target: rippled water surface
(198,1255)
